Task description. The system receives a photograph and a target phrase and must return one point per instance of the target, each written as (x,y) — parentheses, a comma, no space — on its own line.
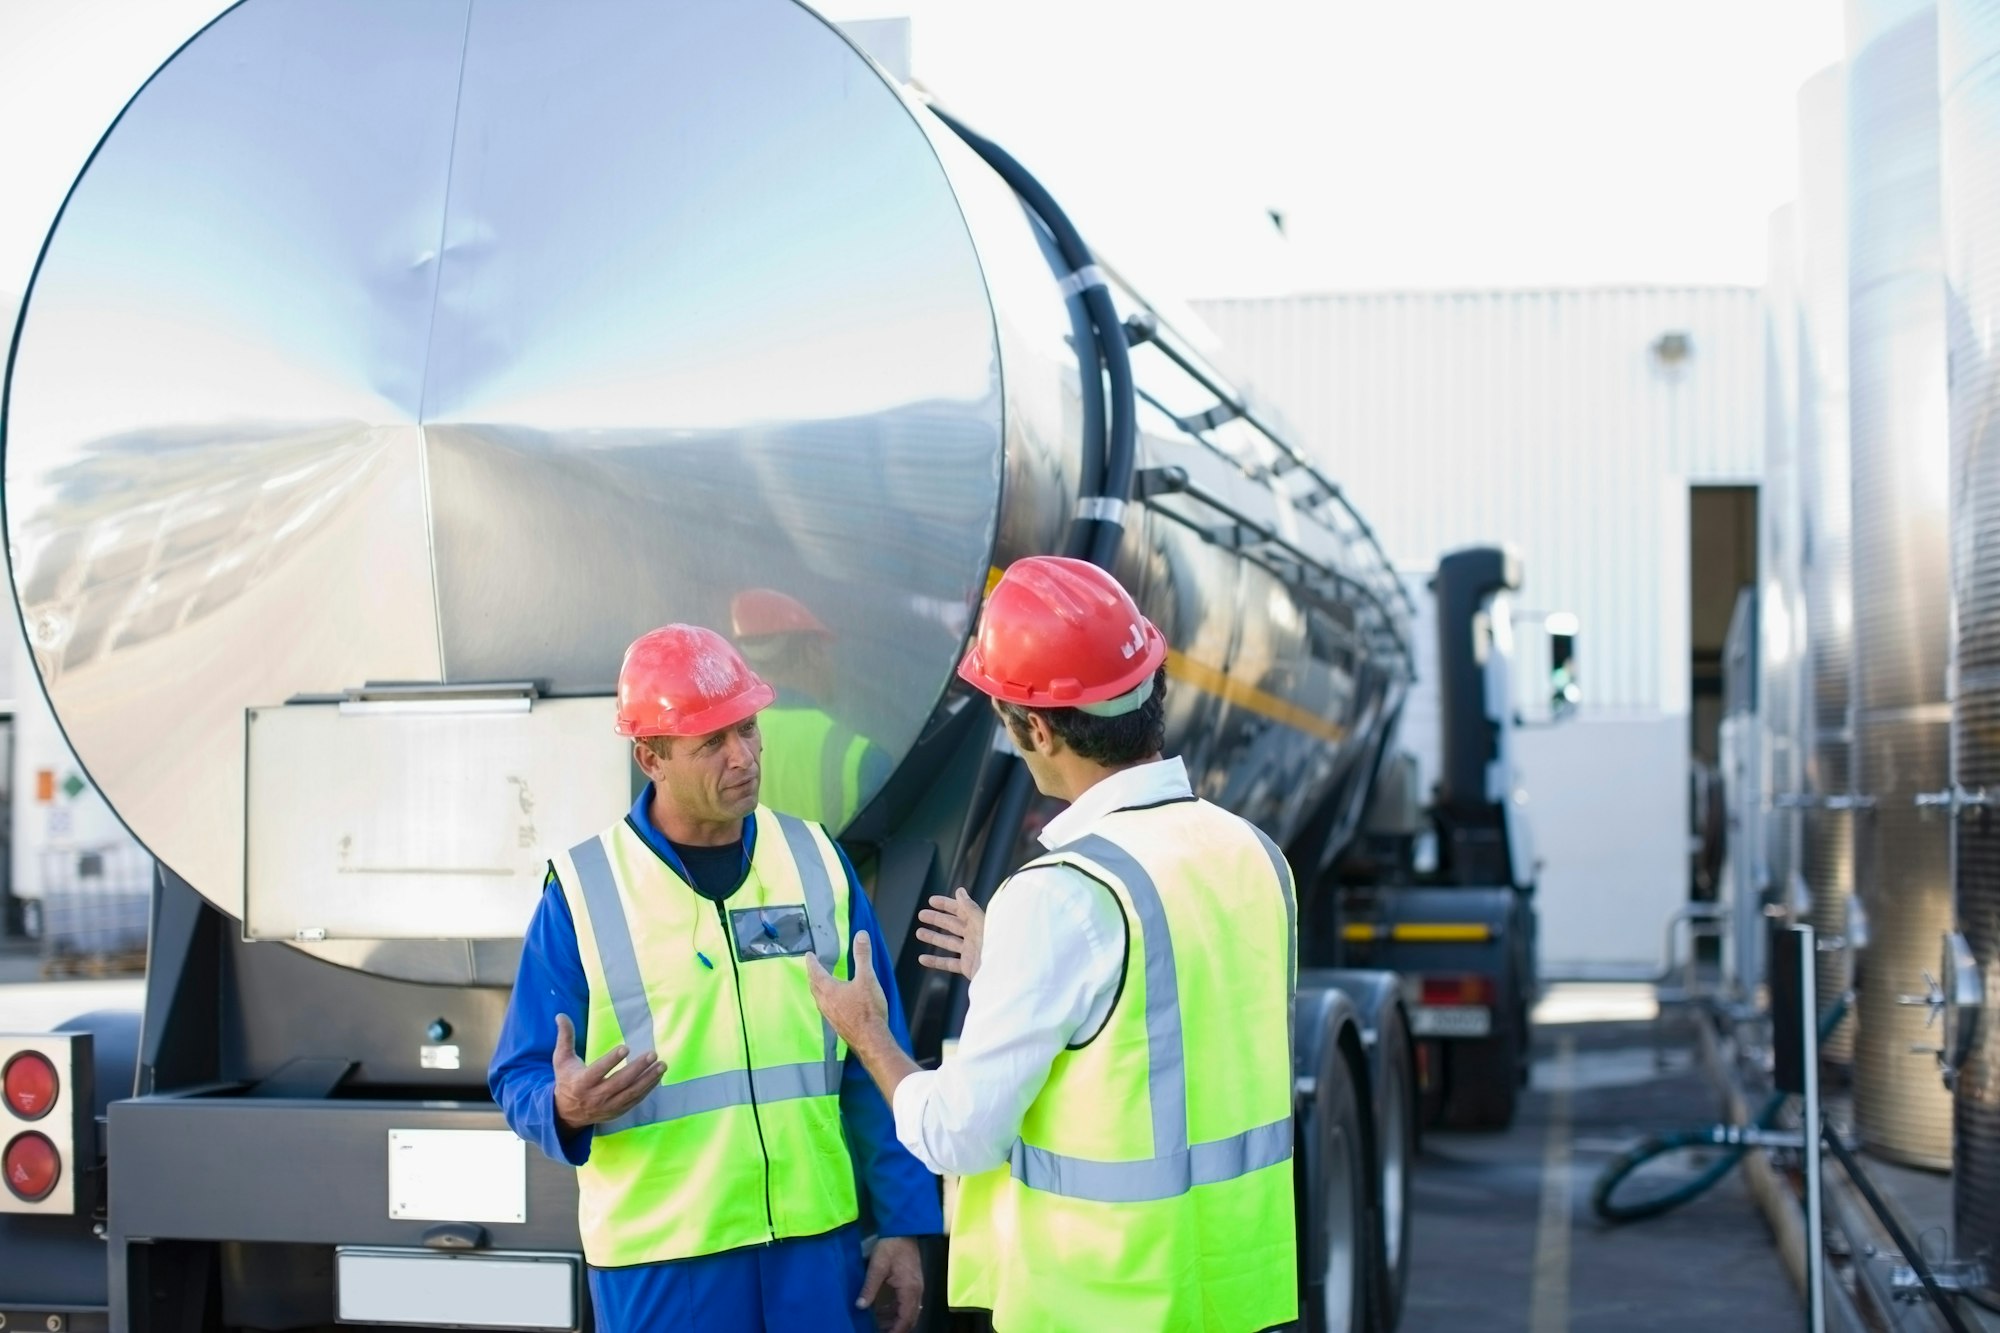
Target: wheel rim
(1395,1166)
(1338,1293)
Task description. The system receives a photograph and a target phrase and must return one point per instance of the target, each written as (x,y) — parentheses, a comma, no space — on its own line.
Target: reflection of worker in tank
(819,768)
(663,1040)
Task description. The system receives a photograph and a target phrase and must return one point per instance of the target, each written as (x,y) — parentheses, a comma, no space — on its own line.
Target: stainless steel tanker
(389,367)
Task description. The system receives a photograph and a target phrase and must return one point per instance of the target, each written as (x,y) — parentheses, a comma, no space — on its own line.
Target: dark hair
(1111,741)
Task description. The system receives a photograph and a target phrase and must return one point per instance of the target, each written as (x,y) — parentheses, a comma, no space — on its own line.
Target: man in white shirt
(1101,1189)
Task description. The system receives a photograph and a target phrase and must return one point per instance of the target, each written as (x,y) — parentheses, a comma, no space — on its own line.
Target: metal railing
(1321,500)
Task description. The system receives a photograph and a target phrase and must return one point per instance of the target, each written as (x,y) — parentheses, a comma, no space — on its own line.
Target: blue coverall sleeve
(902,1193)
(550,981)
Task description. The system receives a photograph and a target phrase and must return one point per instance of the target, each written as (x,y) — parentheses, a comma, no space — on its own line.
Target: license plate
(431,1289)
(1451,1021)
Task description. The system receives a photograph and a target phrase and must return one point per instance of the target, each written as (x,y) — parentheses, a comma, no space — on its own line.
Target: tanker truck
(1440,886)
(388,368)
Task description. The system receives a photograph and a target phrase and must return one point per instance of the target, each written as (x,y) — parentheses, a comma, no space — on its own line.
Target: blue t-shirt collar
(642,820)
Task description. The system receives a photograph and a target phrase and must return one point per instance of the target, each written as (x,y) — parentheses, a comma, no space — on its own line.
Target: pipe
(1911,1254)
(1625,1163)
(1009,812)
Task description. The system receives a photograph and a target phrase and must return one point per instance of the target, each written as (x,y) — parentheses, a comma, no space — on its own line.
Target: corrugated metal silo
(1826,853)
(1901,576)
(1780,612)
(1969,77)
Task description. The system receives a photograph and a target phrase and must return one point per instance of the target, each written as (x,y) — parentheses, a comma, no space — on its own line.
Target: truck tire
(1484,1079)
(1396,1152)
(1526,1065)
(1332,1182)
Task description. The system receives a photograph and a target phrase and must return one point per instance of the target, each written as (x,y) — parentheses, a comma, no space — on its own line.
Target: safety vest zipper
(729,947)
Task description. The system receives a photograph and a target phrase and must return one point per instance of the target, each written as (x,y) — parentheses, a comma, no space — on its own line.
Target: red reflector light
(1470,989)
(32,1167)
(30,1085)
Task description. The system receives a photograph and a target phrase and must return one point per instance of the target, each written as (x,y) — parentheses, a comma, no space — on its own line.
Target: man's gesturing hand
(958,928)
(857,1009)
(895,1284)
(859,1012)
(590,1094)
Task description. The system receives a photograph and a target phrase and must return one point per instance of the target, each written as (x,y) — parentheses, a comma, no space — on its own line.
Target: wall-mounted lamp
(1671,349)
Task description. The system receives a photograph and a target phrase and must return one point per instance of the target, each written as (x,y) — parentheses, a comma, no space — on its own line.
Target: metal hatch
(419,812)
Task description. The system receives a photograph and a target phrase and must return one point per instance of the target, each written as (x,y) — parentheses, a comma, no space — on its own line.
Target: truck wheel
(1396,1144)
(1485,1080)
(1525,1046)
(1430,1083)
(1335,1259)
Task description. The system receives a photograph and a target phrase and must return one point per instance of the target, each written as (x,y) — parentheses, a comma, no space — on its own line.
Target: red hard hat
(683,680)
(1061,633)
(758,612)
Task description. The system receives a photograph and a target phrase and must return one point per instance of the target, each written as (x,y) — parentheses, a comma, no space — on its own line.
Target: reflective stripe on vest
(1176,1166)
(671,1101)
(1151,1186)
(1283,870)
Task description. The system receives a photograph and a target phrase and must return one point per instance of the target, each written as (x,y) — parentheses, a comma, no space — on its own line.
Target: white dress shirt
(1049,971)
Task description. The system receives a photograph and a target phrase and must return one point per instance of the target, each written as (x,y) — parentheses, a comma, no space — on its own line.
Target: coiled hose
(1631,1160)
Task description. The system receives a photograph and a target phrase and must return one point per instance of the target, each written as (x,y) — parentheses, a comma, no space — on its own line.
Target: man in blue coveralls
(662,1037)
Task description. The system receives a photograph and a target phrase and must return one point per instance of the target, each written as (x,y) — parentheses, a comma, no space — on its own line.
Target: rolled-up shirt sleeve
(1050,965)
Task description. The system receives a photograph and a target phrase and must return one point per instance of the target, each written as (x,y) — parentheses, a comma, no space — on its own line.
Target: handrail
(1146,327)
(1152,482)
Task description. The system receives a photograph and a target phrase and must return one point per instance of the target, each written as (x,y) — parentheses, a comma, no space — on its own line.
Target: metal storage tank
(1826,853)
(405,417)
(1901,575)
(1775,863)
(1969,77)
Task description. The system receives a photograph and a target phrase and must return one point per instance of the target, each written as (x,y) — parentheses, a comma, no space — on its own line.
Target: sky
(1415,144)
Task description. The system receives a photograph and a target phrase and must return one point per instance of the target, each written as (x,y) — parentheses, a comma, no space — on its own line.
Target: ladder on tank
(1299,482)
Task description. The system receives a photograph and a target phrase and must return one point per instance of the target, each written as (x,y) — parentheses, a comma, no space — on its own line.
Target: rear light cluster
(1469,989)
(30,1165)
(42,1113)
(33,1167)
(30,1085)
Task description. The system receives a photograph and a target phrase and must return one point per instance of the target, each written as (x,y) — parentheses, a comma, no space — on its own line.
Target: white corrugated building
(1580,426)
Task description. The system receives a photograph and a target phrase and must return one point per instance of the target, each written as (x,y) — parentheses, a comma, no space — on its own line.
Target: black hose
(1109,458)
(995,862)
(1946,1306)
(1623,1165)
(985,797)
(1098,535)
(1009,812)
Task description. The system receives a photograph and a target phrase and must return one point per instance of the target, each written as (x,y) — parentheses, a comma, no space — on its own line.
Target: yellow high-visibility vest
(742,1142)
(1151,1187)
